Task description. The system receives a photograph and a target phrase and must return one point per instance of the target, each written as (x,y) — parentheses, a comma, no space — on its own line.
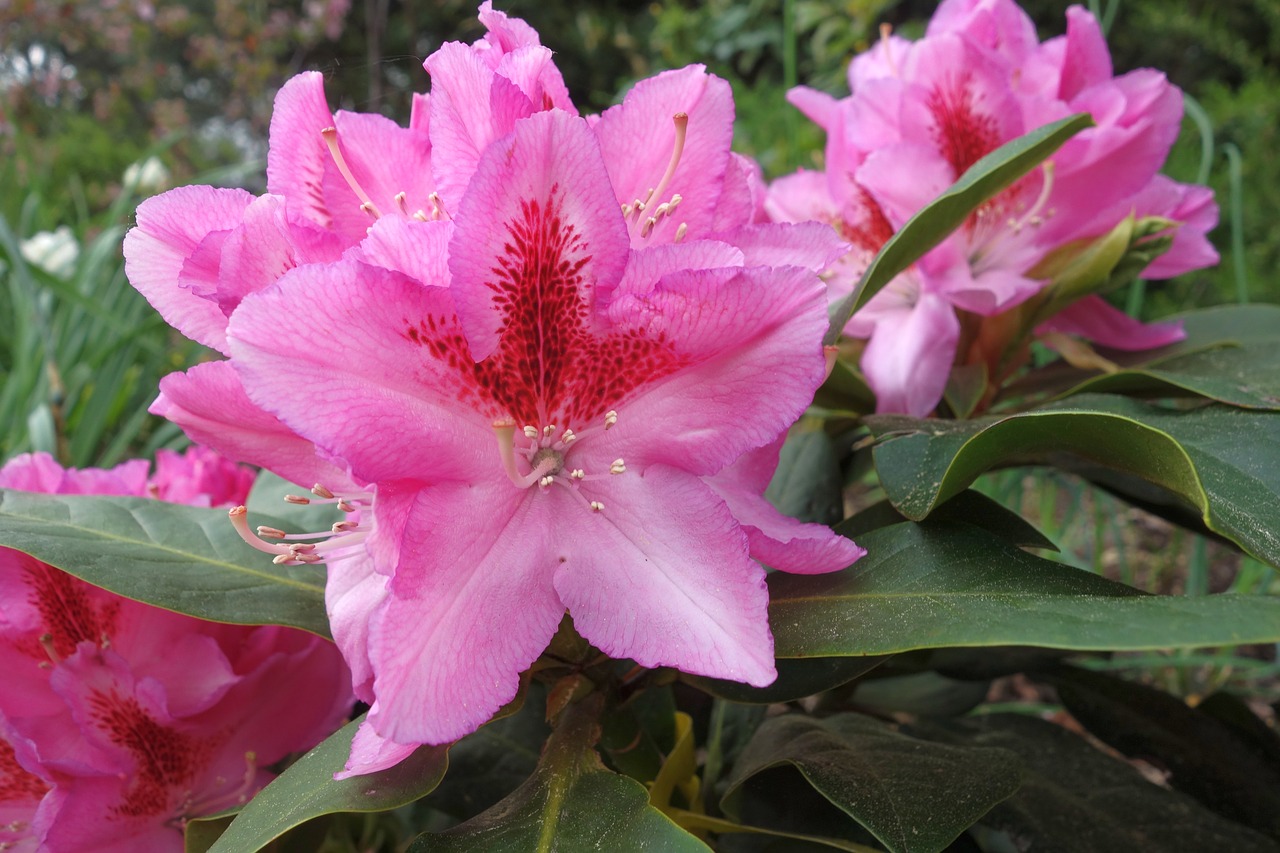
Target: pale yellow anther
(596,506)
(618,467)
(270,532)
(321,492)
(297,499)
(577,474)
(531,432)
(680,232)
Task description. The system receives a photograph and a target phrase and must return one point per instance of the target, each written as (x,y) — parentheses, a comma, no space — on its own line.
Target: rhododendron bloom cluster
(118,720)
(551,372)
(920,114)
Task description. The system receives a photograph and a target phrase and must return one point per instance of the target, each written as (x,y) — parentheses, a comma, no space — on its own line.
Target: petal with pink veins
(638,136)
(662,575)
(298,156)
(1093,319)
(471,606)
(777,540)
(171,226)
(908,359)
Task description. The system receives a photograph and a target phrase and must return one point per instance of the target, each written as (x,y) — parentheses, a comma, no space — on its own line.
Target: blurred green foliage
(86,89)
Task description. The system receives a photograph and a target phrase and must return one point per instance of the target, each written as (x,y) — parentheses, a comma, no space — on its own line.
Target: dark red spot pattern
(70,610)
(16,784)
(872,230)
(963,133)
(555,363)
(166,760)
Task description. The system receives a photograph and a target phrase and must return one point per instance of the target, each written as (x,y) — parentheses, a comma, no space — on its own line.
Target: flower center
(546,453)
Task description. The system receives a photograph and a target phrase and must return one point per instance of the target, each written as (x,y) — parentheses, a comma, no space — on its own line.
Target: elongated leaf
(797,678)
(1173,370)
(1205,757)
(1223,461)
(1074,797)
(912,795)
(947,212)
(1245,376)
(308,790)
(940,584)
(571,803)
(181,558)
(807,484)
(969,507)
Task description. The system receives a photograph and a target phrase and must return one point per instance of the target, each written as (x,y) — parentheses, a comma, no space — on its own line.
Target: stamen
(400,202)
(344,526)
(240,521)
(596,506)
(648,226)
(297,499)
(505,430)
(610,418)
(330,135)
(886,30)
(618,467)
(270,532)
(830,353)
(680,232)
(577,474)
(568,436)
(346,506)
(681,121)
(548,429)
(321,492)
(546,481)
(420,215)
(437,207)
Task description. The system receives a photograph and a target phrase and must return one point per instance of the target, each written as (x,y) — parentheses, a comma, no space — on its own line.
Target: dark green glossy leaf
(1246,376)
(181,558)
(943,584)
(806,485)
(797,678)
(932,223)
(1221,460)
(307,790)
(571,803)
(1205,757)
(1235,327)
(968,507)
(925,694)
(912,795)
(1075,798)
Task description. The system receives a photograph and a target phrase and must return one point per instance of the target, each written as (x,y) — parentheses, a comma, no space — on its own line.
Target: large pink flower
(118,720)
(547,418)
(921,114)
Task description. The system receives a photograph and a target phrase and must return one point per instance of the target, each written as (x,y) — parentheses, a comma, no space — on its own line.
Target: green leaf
(308,790)
(570,803)
(933,222)
(807,484)
(1174,370)
(969,507)
(940,584)
(797,678)
(1074,797)
(186,559)
(1223,461)
(1205,757)
(912,795)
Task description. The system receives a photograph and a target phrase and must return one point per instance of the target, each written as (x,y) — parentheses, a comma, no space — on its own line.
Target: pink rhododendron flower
(920,115)
(120,720)
(562,389)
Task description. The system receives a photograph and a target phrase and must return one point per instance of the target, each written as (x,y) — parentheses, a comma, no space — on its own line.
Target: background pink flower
(121,720)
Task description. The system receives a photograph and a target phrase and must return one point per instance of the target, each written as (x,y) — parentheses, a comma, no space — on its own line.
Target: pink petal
(538,222)
(353,590)
(298,155)
(742,200)
(371,752)
(420,250)
(210,405)
(637,139)
(1087,61)
(778,541)
(908,359)
(803,196)
(819,107)
(662,576)
(812,245)
(1000,26)
(883,59)
(903,178)
(170,228)
(752,343)
(395,399)
(385,160)
(471,107)
(1092,318)
(470,607)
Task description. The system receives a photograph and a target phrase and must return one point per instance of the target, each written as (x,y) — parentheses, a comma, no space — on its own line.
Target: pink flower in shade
(920,115)
(550,420)
(119,720)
